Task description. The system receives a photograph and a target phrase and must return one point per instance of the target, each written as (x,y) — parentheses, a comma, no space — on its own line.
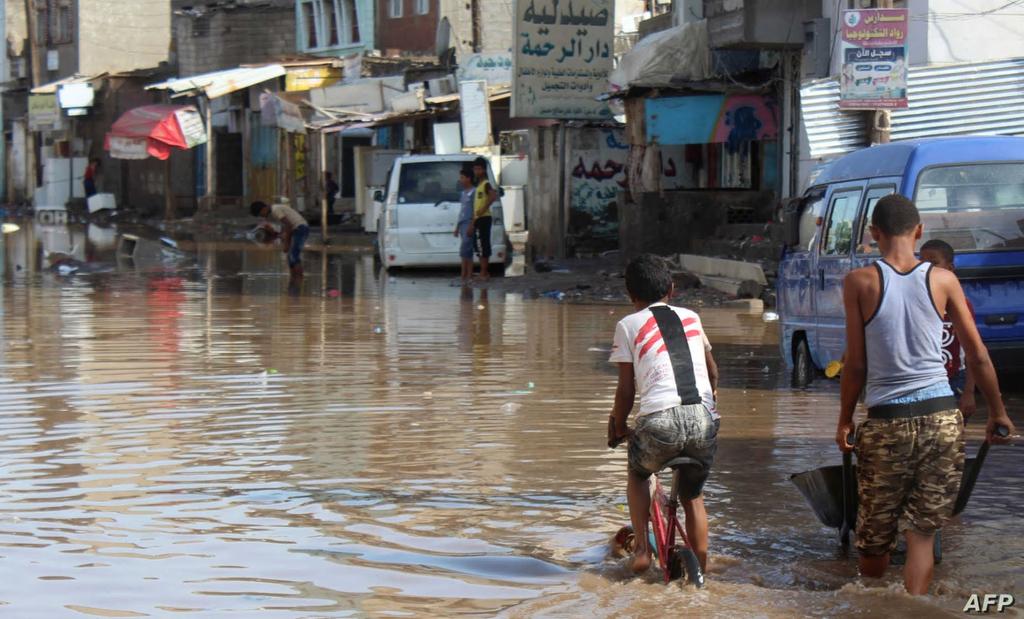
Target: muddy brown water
(189,435)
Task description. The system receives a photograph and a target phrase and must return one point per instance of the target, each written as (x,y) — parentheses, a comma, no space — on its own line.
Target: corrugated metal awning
(220,83)
(968,99)
(52,87)
(829,131)
(980,99)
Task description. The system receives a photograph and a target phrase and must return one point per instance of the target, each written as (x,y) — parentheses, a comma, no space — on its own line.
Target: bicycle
(675,559)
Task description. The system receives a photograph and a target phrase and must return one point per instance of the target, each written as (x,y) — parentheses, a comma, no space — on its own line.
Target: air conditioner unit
(817,45)
(441,86)
(19,68)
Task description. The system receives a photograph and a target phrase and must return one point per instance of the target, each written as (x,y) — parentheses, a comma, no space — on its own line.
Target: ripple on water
(212,446)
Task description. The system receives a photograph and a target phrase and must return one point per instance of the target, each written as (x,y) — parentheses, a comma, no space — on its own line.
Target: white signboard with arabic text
(562,52)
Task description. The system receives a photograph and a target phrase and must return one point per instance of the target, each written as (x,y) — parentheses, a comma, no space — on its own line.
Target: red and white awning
(153,130)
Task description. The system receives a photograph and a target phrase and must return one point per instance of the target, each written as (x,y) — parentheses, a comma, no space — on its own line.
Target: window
(309,24)
(422,7)
(978,206)
(867,244)
(429,182)
(329,23)
(395,8)
(809,221)
(839,234)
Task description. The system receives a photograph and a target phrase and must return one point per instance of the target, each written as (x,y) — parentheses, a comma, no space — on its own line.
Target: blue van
(970,192)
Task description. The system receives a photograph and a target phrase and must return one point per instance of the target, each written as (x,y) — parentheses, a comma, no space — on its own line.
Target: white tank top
(903,339)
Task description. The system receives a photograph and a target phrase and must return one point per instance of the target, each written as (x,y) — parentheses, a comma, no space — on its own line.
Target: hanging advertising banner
(43,113)
(562,54)
(475,110)
(191,123)
(874,72)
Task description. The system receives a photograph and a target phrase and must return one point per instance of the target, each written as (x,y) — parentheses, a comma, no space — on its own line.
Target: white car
(421,208)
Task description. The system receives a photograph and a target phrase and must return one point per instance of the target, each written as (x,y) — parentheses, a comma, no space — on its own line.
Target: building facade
(220,35)
(334,27)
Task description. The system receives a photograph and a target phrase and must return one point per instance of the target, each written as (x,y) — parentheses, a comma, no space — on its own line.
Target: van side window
(839,232)
(809,221)
(867,244)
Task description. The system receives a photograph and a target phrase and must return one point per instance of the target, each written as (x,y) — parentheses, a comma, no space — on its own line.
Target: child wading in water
(910,450)
(940,253)
(663,353)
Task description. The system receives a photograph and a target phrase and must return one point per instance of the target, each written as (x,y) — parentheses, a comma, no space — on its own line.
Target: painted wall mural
(732,120)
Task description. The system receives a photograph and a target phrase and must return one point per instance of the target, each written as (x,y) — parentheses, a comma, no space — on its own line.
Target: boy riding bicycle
(662,351)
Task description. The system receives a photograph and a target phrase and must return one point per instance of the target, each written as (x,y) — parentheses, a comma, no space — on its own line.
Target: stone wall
(226,38)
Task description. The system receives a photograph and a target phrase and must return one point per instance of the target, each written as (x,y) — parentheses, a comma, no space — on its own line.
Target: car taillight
(392,218)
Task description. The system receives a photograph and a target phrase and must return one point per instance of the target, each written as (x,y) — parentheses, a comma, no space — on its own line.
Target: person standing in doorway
(910,450)
(331,190)
(89,179)
(484,197)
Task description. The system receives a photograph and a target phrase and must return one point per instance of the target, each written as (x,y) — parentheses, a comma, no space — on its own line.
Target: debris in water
(769,316)
(481,307)
(766,369)
(378,330)
(530,385)
(510,407)
(333,293)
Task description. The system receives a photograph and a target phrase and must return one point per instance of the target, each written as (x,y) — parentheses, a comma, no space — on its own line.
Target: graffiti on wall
(597,175)
(733,120)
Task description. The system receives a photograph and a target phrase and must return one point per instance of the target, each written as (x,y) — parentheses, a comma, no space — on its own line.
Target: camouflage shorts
(908,476)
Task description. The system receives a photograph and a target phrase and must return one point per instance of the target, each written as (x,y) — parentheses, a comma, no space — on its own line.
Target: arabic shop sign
(874,73)
(492,68)
(562,56)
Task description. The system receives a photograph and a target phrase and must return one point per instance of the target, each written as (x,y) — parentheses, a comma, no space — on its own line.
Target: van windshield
(973,207)
(429,182)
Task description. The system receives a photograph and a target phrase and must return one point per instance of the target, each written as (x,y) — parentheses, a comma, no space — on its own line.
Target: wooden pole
(880,121)
(211,157)
(323,192)
(168,198)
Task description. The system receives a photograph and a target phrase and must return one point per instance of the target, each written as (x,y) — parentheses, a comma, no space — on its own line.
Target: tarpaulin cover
(153,130)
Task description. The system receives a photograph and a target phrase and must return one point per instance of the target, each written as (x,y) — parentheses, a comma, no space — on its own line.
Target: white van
(421,208)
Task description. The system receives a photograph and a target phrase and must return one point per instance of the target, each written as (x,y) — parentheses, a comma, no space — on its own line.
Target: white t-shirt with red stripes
(638,341)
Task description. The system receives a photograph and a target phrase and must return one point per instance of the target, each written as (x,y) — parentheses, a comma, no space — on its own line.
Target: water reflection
(183,435)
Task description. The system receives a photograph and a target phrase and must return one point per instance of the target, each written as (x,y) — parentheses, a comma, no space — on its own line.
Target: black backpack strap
(673,334)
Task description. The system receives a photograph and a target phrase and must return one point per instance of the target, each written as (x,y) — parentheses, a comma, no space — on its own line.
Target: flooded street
(186,434)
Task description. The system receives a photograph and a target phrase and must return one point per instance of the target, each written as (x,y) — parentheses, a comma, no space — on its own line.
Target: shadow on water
(186,436)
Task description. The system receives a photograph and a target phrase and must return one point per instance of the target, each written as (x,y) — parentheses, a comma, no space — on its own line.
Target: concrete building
(88,37)
(219,35)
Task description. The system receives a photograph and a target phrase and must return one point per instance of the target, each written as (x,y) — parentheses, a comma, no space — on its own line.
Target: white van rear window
(429,182)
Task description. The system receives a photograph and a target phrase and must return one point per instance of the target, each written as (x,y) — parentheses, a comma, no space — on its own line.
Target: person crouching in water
(910,450)
(294,231)
(663,352)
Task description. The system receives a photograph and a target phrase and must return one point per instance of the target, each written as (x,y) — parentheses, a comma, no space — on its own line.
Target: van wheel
(803,367)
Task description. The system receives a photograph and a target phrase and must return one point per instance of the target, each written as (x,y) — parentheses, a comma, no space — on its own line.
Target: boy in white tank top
(910,451)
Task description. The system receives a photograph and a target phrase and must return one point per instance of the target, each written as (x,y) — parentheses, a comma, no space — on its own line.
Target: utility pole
(3,78)
(879,122)
(36,67)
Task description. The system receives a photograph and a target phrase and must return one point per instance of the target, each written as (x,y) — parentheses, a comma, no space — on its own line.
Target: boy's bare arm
(855,364)
(709,359)
(978,362)
(625,394)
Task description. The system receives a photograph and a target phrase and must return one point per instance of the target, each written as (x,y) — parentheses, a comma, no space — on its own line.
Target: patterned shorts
(908,476)
(688,431)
